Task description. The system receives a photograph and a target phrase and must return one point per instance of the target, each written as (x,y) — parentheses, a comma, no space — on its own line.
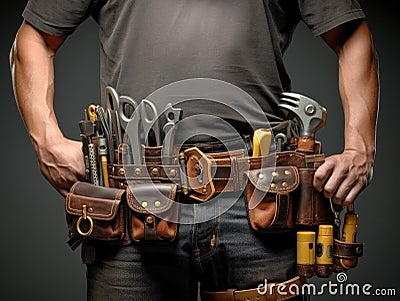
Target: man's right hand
(61,163)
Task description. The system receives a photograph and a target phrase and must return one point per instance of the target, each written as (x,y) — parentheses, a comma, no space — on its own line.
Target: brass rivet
(90,209)
(138,171)
(273,185)
(121,172)
(274,174)
(121,185)
(204,189)
(287,172)
(154,171)
(144,204)
(149,219)
(172,172)
(285,184)
(261,175)
(157,204)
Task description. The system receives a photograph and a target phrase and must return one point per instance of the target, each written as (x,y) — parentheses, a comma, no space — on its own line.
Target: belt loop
(88,253)
(235,172)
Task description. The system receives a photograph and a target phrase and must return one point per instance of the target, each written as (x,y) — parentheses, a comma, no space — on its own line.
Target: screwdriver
(349,234)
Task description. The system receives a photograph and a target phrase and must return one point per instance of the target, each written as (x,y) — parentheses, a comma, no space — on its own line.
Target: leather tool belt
(139,194)
(141,203)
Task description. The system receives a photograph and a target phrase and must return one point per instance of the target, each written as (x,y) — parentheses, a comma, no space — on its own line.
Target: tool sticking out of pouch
(122,110)
(310,113)
(173,116)
(88,132)
(261,142)
(101,145)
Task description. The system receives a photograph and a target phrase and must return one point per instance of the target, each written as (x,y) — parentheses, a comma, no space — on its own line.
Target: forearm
(359,91)
(32,67)
(344,176)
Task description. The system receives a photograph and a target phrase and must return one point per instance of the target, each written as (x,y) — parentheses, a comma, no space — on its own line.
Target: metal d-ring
(84,216)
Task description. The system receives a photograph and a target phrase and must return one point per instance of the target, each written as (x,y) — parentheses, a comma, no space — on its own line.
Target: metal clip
(336,209)
(84,216)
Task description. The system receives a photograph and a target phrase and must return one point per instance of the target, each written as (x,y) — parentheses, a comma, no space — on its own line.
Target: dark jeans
(220,253)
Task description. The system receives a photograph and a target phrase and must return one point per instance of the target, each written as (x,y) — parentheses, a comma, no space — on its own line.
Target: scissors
(144,117)
(129,113)
(173,116)
(124,106)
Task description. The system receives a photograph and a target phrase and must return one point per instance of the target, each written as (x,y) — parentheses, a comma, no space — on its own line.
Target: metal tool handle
(93,164)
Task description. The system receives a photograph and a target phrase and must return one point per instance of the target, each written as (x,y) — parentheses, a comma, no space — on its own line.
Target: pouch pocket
(95,212)
(154,211)
(269,197)
(313,208)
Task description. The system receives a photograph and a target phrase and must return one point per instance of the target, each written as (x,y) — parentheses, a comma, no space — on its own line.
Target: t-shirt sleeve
(322,15)
(57,17)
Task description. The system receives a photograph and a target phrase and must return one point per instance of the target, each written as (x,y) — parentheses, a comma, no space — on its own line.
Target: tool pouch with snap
(153,211)
(283,197)
(95,212)
(269,197)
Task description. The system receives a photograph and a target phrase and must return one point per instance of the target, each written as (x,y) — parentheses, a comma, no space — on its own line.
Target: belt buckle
(198,168)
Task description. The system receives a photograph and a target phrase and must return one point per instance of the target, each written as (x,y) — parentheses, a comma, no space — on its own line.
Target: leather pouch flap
(102,203)
(279,179)
(151,197)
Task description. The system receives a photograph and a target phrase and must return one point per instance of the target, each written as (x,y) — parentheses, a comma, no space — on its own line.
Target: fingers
(343,189)
(322,175)
(353,194)
(339,182)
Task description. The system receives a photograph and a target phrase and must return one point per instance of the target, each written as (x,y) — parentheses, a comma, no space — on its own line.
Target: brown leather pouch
(289,198)
(269,197)
(313,208)
(95,212)
(154,211)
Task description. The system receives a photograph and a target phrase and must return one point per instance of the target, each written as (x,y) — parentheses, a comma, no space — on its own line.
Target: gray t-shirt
(147,44)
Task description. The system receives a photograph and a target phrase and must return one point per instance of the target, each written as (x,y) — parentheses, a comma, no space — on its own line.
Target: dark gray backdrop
(36,262)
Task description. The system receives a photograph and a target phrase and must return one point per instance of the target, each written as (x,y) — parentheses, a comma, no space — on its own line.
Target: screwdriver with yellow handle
(261,142)
(349,234)
(102,146)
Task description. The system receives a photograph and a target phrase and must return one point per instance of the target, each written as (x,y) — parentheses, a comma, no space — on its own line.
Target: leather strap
(274,292)
(227,170)
(343,249)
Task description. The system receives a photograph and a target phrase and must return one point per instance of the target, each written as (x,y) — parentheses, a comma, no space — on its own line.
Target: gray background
(36,262)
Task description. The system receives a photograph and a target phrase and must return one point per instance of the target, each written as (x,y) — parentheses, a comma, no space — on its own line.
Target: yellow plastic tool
(324,258)
(350,225)
(349,234)
(261,142)
(306,247)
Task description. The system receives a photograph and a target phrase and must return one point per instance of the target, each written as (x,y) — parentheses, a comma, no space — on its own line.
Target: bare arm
(32,68)
(342,177)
